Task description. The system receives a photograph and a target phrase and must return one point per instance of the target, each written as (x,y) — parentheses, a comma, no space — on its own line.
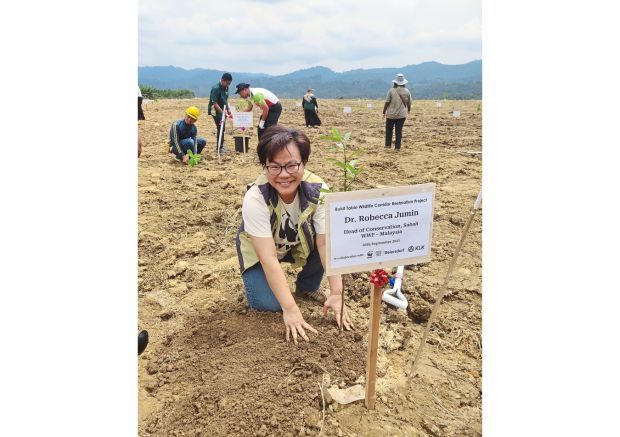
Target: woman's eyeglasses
(275,169)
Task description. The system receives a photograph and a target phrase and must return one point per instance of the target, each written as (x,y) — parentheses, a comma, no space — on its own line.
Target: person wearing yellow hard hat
(184,136)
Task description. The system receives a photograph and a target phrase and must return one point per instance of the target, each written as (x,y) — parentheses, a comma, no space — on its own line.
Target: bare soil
(215,368)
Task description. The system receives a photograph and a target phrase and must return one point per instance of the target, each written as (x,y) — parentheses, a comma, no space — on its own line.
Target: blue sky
(280,36)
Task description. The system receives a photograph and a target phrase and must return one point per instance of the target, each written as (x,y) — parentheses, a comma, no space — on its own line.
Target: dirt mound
(237,375)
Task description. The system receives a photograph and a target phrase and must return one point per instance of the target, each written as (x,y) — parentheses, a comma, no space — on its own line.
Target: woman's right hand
(295,324)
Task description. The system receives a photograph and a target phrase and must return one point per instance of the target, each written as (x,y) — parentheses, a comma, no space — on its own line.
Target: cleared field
(215,368)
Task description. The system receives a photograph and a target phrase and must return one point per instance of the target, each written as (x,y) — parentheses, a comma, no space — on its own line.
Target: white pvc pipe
(394,296)
(222,123)
(478,201)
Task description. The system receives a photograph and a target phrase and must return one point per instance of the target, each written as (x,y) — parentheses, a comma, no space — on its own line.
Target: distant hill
(429,80)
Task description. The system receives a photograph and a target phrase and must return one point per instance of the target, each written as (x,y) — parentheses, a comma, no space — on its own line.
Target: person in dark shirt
(183,136)
(217,100)
(140,111)
(140,117)
(311,107)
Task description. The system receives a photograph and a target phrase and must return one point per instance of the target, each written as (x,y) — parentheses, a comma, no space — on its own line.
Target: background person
(311,109)
(183,135)
(395,110)
(267,101)
(140,112)
(286,194)
(139,142)
(217,100)
(140,117)
(143,341)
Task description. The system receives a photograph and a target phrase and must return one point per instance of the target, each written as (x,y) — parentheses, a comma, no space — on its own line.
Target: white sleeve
(319,215)
(255,213)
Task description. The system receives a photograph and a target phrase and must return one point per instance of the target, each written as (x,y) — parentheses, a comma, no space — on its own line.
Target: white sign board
(243,119)
(380,228)
(456,114)
(297,103)
(346,109)
(369,105)
(438,104)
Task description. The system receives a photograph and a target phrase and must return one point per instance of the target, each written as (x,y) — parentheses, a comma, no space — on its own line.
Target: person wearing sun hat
(183,135)
(395,110)
(265,100)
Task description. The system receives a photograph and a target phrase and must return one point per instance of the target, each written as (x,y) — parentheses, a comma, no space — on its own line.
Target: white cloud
(278,37)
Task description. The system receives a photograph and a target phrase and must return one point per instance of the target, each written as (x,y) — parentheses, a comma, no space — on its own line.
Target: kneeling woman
(283,221)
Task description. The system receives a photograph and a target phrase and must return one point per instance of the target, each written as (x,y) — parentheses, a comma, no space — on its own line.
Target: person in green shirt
(218,99)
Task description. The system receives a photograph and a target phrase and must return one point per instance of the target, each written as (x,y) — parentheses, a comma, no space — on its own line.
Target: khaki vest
(308,192)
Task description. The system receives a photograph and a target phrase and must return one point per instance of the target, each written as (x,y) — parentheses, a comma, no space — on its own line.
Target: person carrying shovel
(218,100)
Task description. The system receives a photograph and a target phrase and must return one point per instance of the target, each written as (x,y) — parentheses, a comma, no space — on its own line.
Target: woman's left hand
(333,303)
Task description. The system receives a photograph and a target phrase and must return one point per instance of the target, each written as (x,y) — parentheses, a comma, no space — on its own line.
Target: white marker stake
(222,126)
(456,114)
(346,109)
(444,287)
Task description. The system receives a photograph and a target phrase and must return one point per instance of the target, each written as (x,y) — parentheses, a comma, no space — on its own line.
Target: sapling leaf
(349,164)
(194,158)
(340,164)
(321,200)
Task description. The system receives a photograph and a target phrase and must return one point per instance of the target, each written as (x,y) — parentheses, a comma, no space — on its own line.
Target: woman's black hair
(277,138)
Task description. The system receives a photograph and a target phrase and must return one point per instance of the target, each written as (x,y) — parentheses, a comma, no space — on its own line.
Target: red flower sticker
(379,277)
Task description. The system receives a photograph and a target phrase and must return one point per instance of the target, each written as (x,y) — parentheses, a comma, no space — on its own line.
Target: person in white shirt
(283,220)
(267,101)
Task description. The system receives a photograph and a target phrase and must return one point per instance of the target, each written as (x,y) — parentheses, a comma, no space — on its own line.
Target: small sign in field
(242,119)
(380,228)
